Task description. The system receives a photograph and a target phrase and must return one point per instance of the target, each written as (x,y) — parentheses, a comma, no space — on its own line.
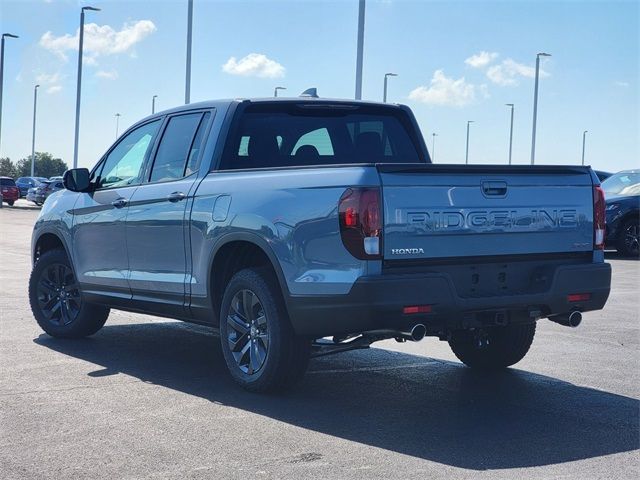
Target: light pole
(33,132)
(117,124)
(535,106)
(187,85)
(584,140)
(153,104)
(466,158)
(384,92)
(510,131)
(275,91)
(433,146)
(4,35)
(360,49)
(79,86)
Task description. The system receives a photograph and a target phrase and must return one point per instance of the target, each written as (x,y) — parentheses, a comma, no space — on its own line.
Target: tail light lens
(599,206)
(360,219)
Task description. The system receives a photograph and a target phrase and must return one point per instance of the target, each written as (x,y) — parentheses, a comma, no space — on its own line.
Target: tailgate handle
(494,189)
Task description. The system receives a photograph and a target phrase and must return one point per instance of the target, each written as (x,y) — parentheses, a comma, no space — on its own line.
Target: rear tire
(56,299)
(493,348)
(10,202)
(260,347)
(629,238)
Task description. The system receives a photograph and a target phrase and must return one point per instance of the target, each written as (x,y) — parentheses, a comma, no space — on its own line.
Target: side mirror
(76,180)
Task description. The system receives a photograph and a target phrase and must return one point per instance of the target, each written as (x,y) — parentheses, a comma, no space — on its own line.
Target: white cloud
(619,83)
(482,59)
(99,40)
(254,65)
(50,81)
(111,75)
(49,78)
(445,91)
(509,72)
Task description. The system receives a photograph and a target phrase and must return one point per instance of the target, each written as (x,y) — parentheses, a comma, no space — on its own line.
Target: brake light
(360,220)
(599,206)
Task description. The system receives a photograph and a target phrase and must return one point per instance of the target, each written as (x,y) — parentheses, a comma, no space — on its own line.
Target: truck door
(156,223)
(100,252)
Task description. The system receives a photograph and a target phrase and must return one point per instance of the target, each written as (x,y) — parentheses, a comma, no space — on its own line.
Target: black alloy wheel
(59,295)
(247,331)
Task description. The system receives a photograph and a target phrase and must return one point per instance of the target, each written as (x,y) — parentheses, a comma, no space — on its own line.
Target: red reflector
(579,297)
(417,309)
(350,217)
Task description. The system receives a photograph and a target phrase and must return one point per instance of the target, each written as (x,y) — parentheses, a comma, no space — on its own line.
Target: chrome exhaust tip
(418,332)
(572,319)
(575,319)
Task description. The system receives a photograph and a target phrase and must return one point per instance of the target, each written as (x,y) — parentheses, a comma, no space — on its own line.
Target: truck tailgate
(440,211)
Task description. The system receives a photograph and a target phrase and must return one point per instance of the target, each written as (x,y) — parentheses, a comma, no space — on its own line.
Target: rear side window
(7,182)
(197,146)
(176,153)
(289,134)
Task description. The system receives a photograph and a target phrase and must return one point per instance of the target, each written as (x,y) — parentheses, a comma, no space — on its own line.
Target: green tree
(46,166)
(7,168)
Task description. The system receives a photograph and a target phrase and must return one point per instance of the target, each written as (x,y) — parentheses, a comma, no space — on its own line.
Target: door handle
(494,189)
(120,202)
(176,196)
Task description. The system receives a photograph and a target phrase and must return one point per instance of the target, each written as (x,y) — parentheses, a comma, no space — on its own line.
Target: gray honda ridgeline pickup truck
(302,227)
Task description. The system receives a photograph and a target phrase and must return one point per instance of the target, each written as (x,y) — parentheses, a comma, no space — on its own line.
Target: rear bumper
(377,302)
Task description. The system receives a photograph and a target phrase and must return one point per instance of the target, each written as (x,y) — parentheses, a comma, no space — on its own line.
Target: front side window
(317,141)
(123,164)
(175,147)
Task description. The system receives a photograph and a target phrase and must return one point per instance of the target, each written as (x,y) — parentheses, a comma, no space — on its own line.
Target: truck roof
(228,101)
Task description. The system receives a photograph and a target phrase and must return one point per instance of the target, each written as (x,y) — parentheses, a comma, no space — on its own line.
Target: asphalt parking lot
(150,398)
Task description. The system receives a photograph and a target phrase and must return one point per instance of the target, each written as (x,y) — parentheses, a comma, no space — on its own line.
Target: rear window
(7,182)
(288,135)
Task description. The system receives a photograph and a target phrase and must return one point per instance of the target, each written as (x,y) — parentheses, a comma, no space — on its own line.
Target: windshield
(7,182)
(622,184)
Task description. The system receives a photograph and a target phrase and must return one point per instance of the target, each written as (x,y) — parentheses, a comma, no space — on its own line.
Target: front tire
(628,245)
(10,202)
(493,348)
(260,348)
(56,299)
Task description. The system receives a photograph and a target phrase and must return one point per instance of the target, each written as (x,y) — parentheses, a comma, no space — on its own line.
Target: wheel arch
(235,252)
(47,241)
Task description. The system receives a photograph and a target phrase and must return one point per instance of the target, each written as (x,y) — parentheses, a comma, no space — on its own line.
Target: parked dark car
(602,176)
(622,192)
(10,193)
(46,189)
(25,183)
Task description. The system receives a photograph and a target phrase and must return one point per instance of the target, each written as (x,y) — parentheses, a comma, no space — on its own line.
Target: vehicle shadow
(435,410)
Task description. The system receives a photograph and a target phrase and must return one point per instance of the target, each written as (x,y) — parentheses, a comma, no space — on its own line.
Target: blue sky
(456,61)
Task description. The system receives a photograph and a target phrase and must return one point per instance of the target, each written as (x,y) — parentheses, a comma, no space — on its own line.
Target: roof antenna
(310,92)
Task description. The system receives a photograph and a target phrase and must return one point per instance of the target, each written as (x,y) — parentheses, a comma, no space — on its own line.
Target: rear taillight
(598,218)
(361,222)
